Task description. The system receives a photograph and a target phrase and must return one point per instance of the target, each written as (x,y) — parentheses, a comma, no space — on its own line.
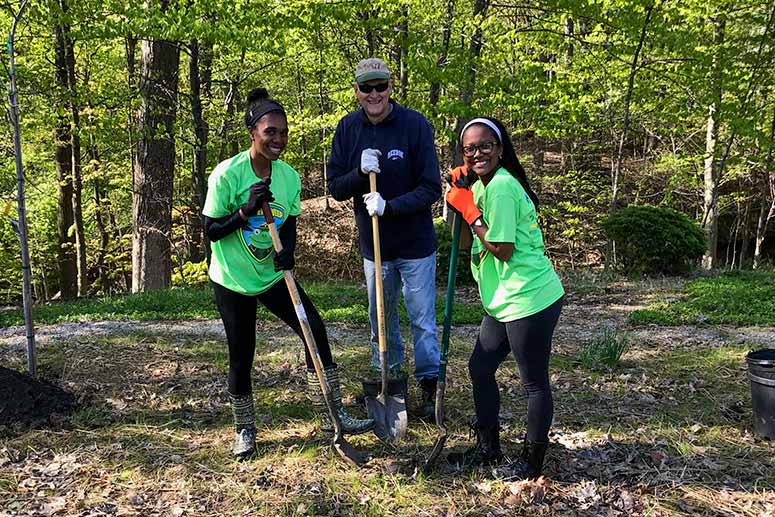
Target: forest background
(125,108)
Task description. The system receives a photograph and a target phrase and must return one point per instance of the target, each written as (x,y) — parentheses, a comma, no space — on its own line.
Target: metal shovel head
(389,414)
(349,453)
(442,437)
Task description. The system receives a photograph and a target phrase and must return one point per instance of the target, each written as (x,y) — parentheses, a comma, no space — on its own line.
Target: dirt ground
(666,433)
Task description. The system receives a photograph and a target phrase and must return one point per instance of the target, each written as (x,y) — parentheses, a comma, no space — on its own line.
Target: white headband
(487,123)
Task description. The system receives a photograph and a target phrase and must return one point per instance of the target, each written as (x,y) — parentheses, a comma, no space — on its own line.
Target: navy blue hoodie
(409,180)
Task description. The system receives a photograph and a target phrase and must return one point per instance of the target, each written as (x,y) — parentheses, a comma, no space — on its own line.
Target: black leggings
(530,340)
(238,313)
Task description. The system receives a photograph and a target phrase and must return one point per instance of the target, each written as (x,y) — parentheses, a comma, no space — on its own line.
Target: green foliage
(654,240)
(561,94)
(604,349)
(732,298)
(190,274)
(444,237)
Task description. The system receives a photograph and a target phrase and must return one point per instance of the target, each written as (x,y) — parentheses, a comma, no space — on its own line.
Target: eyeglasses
(367,88)
(485,147)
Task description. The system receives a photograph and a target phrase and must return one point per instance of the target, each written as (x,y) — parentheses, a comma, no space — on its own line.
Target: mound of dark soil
(27,402)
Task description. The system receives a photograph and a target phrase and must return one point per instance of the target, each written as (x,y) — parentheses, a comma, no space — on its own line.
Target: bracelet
(242,214)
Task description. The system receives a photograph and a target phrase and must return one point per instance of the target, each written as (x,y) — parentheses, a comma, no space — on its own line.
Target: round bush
(654,240)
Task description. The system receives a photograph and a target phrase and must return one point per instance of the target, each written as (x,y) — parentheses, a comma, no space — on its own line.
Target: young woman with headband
(521,293)
(244,268)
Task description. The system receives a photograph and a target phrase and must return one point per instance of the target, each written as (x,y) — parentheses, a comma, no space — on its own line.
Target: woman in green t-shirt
(244,268)
(521,293)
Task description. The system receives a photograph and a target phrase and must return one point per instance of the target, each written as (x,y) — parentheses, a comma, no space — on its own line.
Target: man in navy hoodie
(397,143)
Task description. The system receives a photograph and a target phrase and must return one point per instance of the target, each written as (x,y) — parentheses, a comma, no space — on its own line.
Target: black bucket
(761,371)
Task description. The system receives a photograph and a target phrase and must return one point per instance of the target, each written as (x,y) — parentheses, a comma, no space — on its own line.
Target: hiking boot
(427,408)
(528,465)
(244,425)
(244,443)
(350,425)
(397,385)
(486,451)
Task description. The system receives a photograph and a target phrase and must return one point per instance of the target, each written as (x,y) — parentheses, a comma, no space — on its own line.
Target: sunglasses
(367,88)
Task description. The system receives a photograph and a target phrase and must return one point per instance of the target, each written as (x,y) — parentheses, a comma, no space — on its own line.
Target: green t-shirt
(526,284)
(242,261)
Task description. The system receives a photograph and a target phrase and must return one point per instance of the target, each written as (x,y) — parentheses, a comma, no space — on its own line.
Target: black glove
(284,260)
(259,193)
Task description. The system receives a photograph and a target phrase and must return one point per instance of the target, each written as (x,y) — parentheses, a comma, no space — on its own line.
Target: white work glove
(370,160)
(374,203)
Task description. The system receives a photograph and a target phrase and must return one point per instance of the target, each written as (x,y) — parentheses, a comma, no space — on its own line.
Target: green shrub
(654,240)
(190,274)
(605,349)
(444,236)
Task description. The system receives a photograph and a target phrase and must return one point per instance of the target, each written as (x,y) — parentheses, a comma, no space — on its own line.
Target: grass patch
(733,298)
(603,350)
(336,301)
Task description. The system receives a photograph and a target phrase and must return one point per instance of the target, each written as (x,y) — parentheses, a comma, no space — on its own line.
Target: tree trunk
(626,122)
(403,49)
(63,157)
(744,235)
(99,207)
(323,110)
(154,166)
(75,149)
(569,36)
(711,166)
(768,192)
(435,89)
(229,144)
(368,33)
(474,51)
(198,185)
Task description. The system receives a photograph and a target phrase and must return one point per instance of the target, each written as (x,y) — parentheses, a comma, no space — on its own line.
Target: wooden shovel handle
(381,333)
(301,314)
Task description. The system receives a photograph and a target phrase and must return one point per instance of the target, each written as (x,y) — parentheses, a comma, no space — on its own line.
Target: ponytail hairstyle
(259,104)
(510,162)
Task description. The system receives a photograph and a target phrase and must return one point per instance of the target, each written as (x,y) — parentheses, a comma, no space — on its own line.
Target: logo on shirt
(395,154)
(255,234)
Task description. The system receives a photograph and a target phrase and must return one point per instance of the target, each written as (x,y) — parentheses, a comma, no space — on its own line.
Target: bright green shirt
(526,284)
(242,261)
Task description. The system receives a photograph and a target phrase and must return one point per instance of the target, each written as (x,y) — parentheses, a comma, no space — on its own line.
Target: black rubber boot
(427,408)
(487,450)
(530,462)
(350,425)
(244,426)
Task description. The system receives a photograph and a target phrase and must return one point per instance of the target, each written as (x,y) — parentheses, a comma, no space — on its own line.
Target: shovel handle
(381,334)
(453,255)
(301,314)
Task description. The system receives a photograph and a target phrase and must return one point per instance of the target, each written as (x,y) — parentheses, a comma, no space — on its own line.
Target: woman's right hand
(259,193)
(460,177)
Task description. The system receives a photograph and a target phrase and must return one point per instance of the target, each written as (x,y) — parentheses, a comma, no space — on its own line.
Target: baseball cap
(371,68)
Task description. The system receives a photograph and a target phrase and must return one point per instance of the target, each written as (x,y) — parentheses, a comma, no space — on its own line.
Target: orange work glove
(462,200)
(460,177)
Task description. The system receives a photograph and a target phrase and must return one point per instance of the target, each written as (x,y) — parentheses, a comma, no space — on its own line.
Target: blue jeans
(418,279)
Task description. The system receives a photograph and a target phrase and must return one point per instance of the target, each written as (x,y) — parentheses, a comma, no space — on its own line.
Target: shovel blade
(435,452)
(389,413)
(349,453)
(390,418)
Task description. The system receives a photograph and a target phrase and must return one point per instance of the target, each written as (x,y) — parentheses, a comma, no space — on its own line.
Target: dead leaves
(526,492)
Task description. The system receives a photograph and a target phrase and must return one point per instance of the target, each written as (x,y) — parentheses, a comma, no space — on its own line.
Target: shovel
(387,409)
(340,445)
(441,385)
